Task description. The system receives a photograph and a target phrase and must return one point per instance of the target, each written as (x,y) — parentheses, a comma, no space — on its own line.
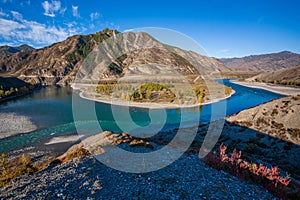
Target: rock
(124,135)
(97,185)
(118,142)
(141,143)
(126,140)
(93,144)
(113,136)
(187,178)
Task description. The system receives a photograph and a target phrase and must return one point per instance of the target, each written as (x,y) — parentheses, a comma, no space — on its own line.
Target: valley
(259,118)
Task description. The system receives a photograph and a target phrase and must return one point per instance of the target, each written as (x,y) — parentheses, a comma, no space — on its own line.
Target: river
(51,110)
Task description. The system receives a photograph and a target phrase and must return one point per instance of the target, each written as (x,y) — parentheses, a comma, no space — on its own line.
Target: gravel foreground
(86,178)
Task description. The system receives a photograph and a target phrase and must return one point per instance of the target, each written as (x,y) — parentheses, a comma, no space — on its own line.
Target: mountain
(59,63)
(290,76)
(53,64)
(144,55)
(8,50)
(278,118)
(264,62)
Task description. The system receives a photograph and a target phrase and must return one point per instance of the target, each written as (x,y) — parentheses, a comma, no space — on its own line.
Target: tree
(132,98)
(148,94)
(123,96)
(12,90)
(228,90)
(6,93)
(127,97)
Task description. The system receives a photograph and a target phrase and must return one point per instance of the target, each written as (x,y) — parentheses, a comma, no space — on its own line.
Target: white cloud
(3,14)
(51,8)
(94,16)
(17,15)
(7,27)
(75,11)
(19,30)
(63,10)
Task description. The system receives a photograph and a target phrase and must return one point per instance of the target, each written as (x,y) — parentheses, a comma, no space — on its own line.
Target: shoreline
(283,90)
(15,97)
(64,139)
(120,102)
(12,124)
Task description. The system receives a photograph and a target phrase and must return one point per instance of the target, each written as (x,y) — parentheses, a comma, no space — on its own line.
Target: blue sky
(222,28)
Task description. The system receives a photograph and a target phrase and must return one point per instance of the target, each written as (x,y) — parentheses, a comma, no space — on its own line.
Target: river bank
(12,124)
(284,90)
(120,102)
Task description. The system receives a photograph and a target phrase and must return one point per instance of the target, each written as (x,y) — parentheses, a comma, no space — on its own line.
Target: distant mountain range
(8,50)
(262,63)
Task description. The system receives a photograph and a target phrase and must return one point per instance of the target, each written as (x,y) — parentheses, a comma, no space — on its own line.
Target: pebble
(186,178)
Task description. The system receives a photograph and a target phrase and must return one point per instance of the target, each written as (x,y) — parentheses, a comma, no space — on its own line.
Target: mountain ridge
(289,76)
(9,50)
(262,62)
(54,63)
(59,62)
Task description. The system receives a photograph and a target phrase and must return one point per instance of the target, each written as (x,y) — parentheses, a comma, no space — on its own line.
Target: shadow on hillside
(257,147)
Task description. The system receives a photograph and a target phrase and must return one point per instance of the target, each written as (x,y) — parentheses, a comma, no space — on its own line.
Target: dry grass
(80,152)
(15,167)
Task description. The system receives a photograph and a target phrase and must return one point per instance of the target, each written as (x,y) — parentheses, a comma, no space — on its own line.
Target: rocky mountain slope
(53,64)
(58,63)
(8,50)
(144,55)
(290,76)
(86,178)
(264,62)
(278,118)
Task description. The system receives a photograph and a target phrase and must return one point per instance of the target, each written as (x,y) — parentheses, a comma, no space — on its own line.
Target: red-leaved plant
(269,178)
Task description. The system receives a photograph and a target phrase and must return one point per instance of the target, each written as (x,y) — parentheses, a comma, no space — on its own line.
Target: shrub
(296,97)
(15,167)
(228,90)
(269,178)
(274,112)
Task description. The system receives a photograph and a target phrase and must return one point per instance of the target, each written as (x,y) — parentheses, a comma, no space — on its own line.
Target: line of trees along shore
(14,91)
